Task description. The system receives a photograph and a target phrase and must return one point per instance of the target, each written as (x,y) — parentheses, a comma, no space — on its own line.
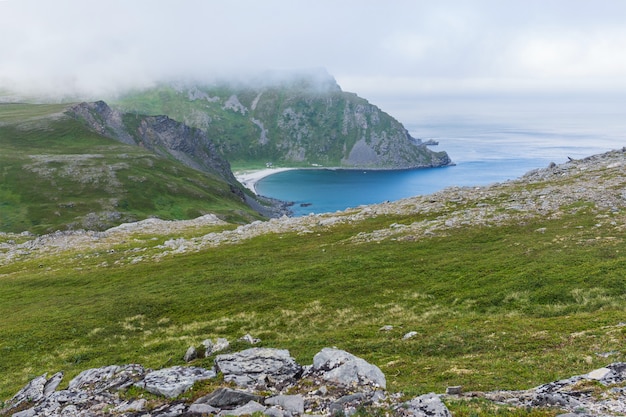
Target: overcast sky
(377,49)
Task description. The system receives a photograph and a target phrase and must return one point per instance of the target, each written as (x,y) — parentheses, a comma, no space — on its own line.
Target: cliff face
(300,121)
(160,134)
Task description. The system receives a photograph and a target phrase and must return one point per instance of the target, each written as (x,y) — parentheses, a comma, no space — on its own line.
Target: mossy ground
(494,308)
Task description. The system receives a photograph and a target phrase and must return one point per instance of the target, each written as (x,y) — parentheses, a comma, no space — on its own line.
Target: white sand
(250,178)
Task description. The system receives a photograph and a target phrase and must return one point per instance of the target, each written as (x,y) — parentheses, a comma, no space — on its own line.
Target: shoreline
(249,178)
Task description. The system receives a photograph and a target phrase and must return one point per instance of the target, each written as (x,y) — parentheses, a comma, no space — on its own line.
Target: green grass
(494,308)
(503,307)
(54,173)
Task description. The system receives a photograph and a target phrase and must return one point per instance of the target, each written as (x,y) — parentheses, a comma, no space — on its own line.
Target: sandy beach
(250,178)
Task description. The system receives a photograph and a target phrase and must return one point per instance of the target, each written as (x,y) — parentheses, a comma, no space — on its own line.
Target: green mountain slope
(299,121)
(507,287)
(55,173)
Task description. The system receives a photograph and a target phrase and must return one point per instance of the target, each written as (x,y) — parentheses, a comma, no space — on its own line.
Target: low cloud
(378,50)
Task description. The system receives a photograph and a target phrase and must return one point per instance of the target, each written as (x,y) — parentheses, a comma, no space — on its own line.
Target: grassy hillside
(56,174)
(508,305)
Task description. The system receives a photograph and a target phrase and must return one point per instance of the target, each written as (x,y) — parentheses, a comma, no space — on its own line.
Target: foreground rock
(267,381)
(271,382)
(601,392)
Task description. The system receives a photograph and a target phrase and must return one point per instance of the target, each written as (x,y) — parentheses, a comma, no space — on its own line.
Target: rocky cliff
(300,120)
(160,134)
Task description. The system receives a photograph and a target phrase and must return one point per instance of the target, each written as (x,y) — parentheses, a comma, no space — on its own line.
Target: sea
(489,143)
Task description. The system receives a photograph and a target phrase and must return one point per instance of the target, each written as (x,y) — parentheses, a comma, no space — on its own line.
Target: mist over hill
(288,119)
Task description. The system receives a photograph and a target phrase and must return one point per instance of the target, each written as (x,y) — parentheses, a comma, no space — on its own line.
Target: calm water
(484,153)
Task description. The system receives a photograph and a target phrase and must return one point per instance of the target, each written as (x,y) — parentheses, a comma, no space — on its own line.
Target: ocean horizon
(486,147)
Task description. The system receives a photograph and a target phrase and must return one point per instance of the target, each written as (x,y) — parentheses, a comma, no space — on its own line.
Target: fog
(388,52)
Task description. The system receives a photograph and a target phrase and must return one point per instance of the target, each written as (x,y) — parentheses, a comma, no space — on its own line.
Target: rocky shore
(249,178)
(549,192)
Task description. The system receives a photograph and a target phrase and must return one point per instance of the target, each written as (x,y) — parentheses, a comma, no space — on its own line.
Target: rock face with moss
(298,120)
(160,134)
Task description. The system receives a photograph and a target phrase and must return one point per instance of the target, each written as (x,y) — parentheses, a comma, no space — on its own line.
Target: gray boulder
(191,354)
(171,382)
(37,389)
(258,366)
(211,348)
(428,405)
(343,368)
(291,403)
(108,378)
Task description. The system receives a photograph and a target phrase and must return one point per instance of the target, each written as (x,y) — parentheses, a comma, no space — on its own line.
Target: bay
(485,149)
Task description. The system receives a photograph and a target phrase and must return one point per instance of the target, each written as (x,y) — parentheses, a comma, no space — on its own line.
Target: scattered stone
(249,339)
(456,390)
(220,345)
(386,328)
(426,405)
(191,354)
(208,347)
(409,335)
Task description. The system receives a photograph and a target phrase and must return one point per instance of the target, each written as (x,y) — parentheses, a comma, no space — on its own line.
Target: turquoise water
(484,153)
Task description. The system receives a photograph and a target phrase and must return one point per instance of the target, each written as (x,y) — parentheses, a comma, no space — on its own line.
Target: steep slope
(297,121)
(58,174)
(160,134)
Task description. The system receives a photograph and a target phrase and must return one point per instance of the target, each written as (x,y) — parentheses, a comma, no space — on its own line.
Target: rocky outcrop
(258,367)
(267,381)
(598,393)
(270,382)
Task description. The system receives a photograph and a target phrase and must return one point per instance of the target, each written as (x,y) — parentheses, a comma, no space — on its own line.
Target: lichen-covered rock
(258,366)
(108,378)
(291,403)
(341,367)
(191,354)
(171,382)
(429,405)
(37,389)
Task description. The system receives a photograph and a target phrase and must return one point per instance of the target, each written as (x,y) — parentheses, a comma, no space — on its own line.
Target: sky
(386,51)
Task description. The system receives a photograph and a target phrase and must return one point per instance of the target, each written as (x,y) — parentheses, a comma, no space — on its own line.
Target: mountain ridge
(304,121)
